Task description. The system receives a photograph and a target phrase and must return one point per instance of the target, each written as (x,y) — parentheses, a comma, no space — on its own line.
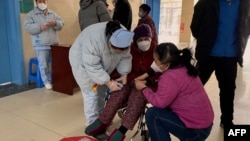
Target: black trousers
(225,69)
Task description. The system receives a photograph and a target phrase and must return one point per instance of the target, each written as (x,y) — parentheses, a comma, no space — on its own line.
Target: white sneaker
(48,86)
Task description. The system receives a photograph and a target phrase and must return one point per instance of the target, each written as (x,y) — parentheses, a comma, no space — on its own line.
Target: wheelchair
(142,129)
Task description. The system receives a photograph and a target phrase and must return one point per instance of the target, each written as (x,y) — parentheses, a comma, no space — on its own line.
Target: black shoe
(96,128)
(227,124)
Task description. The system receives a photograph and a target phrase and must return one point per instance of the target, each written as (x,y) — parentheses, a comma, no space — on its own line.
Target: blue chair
(35,76)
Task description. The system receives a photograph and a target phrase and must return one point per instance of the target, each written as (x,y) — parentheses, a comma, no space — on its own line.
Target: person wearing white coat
(95,54)
(43,24)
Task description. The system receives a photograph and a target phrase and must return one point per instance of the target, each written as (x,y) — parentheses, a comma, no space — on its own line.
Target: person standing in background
(221,28)
(93,11)
(42,25)
(144,11)
(97,51)
(123,12)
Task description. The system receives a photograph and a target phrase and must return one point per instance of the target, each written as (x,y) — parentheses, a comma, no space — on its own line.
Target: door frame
(155,12)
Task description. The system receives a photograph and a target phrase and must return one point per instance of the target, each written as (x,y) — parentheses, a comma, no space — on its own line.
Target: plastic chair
(35,76)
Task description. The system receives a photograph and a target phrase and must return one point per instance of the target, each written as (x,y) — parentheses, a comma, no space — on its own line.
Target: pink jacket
(185,96)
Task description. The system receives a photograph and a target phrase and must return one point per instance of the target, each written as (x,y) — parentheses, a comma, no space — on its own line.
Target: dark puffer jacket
(204,27)
(93,11)
(123,13)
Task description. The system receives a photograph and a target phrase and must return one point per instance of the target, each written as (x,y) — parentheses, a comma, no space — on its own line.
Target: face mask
(113,52)
(42,6)
(144,45)
(155,67)
(140,14)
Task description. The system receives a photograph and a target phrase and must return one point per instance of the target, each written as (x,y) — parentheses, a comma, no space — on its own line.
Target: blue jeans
(162,122)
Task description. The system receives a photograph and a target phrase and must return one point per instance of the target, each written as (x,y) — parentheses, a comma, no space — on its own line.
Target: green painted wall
(26,5)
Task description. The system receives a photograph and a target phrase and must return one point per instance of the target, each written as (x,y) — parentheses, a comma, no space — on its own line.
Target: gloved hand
(122,79)
(114,85)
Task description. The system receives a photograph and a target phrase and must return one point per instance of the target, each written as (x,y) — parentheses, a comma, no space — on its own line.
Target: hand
(114,85)
(122,79)
(142,77)
(140,84)
(51,23)
(44,27)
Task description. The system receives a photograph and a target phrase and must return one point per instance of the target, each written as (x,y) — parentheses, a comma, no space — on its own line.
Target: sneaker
(116,135)
(48,86)
(96,128)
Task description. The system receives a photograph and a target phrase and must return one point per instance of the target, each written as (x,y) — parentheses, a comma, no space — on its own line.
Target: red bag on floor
(79,138)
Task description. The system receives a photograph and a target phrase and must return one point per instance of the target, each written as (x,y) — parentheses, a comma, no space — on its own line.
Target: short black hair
(145,7)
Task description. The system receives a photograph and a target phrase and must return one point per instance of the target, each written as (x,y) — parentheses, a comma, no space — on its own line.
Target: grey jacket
(32,24)
(91,60)
(93,11)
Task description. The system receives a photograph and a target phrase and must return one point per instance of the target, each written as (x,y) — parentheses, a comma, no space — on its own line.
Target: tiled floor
(44,115)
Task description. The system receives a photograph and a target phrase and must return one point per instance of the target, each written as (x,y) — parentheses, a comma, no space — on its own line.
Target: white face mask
(155,67)
(144,45)
(42,6)
(113,52)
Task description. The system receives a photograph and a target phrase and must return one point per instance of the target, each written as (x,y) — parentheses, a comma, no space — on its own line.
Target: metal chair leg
(139,128)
